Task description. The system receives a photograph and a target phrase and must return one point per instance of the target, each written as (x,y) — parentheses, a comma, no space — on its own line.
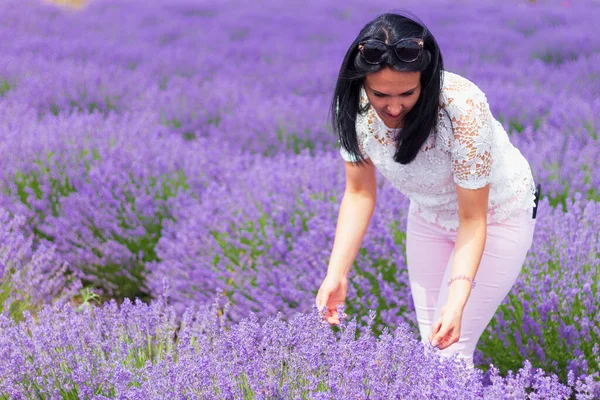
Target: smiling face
(392,94)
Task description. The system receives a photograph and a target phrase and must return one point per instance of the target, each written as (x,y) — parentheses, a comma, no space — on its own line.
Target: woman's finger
(444,343)
(440,335)
(435,330)
(321,300)
(436,327)
(448,340)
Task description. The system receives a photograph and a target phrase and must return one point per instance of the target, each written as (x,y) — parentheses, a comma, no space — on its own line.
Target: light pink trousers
(430,249)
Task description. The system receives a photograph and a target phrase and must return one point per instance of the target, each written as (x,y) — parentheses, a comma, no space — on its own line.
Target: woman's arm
(470,241)
(355,213)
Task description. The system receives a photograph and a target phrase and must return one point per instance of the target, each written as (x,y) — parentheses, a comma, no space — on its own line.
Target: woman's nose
(394,108)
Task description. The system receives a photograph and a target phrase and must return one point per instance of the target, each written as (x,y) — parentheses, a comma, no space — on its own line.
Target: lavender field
(170,187)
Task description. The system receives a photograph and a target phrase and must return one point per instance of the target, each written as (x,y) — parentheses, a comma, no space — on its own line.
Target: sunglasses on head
(407,49)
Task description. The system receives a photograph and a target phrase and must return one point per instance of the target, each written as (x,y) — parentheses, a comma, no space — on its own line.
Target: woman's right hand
(332,293)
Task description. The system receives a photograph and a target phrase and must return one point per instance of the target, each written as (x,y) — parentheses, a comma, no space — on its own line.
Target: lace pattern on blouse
(468,148)
(471,141)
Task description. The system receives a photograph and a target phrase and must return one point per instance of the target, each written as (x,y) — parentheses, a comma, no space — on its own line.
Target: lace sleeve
(346,155)
(471,143)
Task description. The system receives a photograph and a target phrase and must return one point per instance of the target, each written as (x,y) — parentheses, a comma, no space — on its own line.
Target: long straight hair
(422,118)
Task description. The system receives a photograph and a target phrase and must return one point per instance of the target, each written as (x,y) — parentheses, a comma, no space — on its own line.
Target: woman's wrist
(458,294)
(337,274)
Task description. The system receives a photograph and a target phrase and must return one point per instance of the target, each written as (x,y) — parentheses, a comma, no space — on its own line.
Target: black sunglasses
(407,49)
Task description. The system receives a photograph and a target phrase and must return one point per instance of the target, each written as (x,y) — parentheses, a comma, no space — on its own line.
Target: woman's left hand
(446,331)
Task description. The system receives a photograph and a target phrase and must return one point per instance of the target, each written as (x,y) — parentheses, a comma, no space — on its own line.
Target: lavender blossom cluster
(187,142)
(136,351)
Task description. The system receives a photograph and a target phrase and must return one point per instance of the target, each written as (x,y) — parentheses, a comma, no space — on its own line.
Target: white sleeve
(471,142)
(347,156)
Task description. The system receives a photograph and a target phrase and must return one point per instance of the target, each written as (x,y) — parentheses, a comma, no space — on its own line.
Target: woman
(431,133)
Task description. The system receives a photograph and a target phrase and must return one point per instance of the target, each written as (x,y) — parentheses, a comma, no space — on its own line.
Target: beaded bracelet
(462,277)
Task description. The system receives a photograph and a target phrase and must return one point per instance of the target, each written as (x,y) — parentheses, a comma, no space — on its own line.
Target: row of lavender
(135,351)
(171,141)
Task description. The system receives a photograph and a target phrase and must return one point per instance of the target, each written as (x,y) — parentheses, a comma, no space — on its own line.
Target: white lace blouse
(468,147)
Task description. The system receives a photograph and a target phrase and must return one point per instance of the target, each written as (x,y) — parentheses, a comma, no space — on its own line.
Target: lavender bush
(137,351)
(552,314)
(186,141)
(30,277)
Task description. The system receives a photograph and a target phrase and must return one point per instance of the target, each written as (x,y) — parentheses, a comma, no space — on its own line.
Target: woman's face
(392,94)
